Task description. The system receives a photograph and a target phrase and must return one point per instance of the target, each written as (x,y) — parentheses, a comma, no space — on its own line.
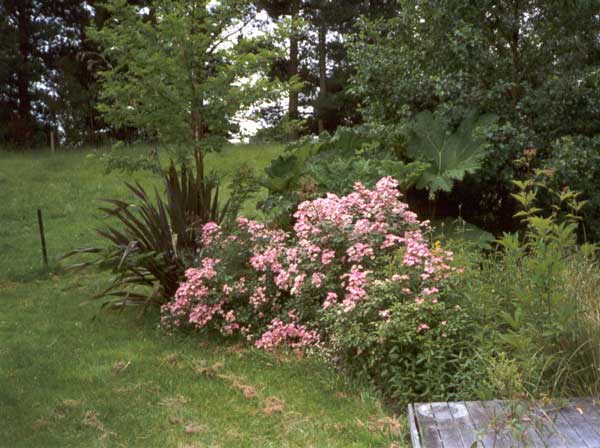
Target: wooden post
(42,237)
(52,141)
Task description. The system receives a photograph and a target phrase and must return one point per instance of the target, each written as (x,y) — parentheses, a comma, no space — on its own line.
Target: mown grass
(68,187)
(72,374)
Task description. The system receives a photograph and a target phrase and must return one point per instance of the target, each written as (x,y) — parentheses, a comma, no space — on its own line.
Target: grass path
(74,375)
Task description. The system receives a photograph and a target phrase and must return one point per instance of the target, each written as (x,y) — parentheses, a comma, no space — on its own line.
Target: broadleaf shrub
(411,336)
(332,164)
(360,261)
(576,161)
(533,303)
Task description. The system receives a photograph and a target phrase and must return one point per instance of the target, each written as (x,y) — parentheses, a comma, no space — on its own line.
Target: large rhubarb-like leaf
(451,156)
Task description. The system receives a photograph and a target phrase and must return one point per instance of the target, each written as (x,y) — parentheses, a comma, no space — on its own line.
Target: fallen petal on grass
(176,402)
(389,426)
(71,403)
(92,420)
(175,420)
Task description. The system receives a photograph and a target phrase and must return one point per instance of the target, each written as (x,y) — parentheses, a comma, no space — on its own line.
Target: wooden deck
(498,424)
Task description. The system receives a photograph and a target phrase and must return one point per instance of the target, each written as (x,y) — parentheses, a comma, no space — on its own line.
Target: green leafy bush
(523,301)
(458,231)
(414,349)
(338,174)
(357,280)
(581,279)
(333,164)
(451,155)
(576,161)
(540,93)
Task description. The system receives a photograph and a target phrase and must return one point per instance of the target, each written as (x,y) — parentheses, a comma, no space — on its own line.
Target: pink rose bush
(289,289)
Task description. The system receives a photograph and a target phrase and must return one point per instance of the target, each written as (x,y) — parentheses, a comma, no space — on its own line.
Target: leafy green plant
(458,229)
(523,297)
(576,163)
(284,173)
(414,349)
(332,164)
(451,155)
(338,174)
(161,74)
(157,237)
(582,283)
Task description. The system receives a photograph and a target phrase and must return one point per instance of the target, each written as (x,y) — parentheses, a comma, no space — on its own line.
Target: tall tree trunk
(293,66)
(322,73)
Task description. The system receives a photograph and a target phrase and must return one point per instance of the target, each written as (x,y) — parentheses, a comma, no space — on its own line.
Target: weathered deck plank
(583,427)
(479,417)
(464,424)
(497,424)
(551,433)
(427,425)
(497,416)
(415,437)
(449,433)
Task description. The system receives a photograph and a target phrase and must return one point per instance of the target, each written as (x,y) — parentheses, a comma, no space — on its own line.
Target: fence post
(42,237)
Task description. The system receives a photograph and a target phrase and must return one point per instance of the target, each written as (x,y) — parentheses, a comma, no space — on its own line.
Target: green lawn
(72,374)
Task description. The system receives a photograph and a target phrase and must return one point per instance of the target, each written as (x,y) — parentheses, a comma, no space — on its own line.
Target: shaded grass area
(74,375)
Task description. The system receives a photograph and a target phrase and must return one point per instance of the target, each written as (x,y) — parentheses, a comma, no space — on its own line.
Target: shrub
(332,164)
(157,237)
(411,336)
(528,315)
(576,161)
(355,276)
(230,292)
(581,279)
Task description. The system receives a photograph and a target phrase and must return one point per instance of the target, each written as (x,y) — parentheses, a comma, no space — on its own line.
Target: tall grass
(537,317)
(582,285)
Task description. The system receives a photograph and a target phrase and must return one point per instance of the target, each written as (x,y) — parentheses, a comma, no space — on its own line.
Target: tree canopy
(179,71)
(534,64)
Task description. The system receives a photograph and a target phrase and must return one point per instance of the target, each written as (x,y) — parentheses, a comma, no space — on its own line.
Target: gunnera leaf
(451,155)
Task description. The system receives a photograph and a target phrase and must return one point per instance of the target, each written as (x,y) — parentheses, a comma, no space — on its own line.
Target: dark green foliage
(576,161)
(157,237)
(173,79)
(532,63)
(533,302)
(460,231)
(283,173)
(338,174)
(451,155)
(332,164)
(45,83)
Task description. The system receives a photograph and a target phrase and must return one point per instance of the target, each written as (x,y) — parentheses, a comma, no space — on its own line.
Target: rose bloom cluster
(273,287)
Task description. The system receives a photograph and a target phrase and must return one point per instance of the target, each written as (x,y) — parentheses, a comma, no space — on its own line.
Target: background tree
(24,30)
(46,82)
(286,67)
(317,56)
(535,64)
(179,71)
